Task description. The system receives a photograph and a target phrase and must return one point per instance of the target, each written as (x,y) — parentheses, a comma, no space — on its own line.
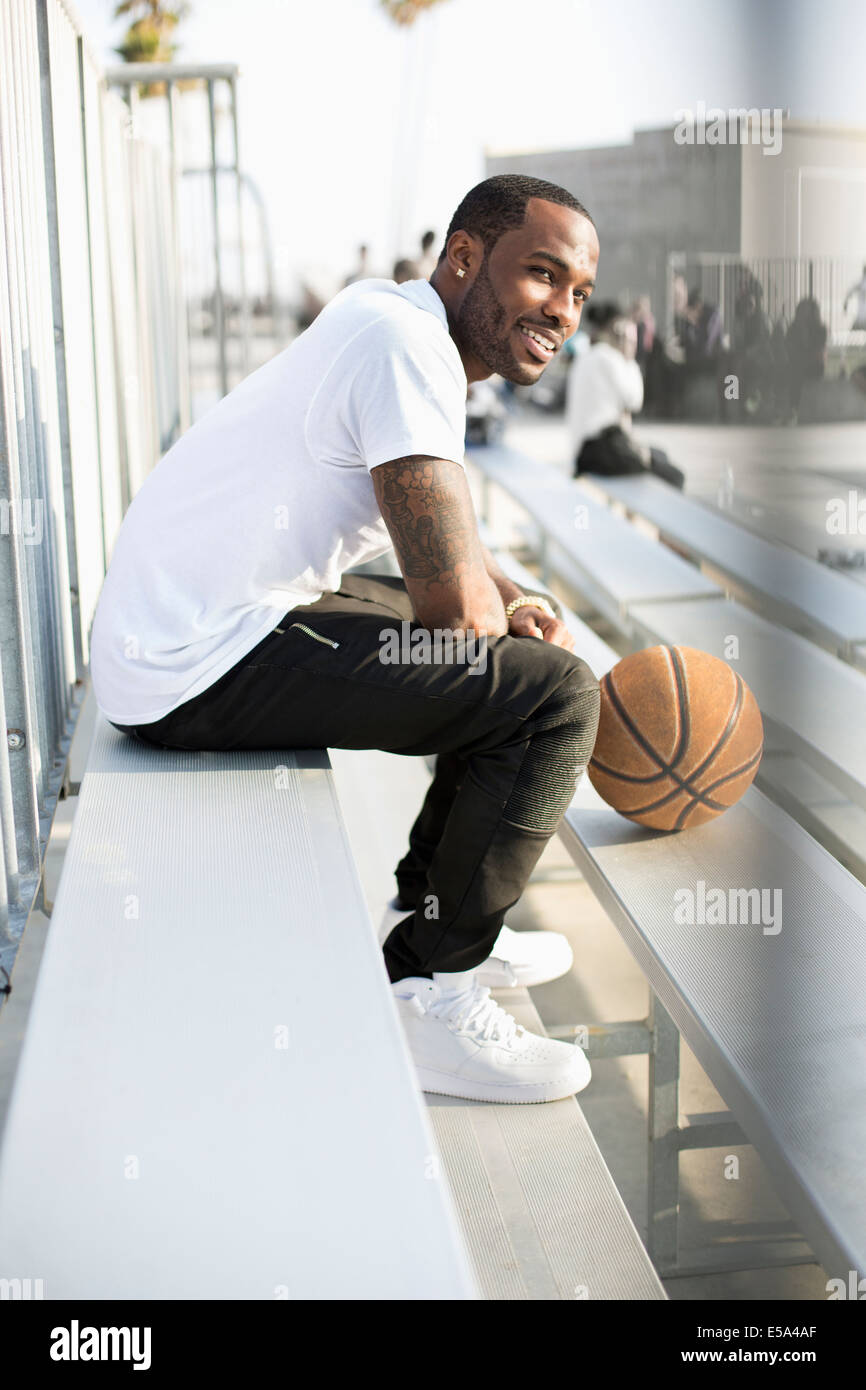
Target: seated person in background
(806,344)
(605,388)
(701,332)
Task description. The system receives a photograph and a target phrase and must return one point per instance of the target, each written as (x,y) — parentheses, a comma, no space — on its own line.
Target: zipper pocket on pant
(310,633)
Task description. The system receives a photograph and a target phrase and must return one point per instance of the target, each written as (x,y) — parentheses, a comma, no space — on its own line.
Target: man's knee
(539,673)
(574,704)
(559,750)
(569,679)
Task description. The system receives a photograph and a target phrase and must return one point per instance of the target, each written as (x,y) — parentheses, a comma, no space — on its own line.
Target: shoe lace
(474,1012)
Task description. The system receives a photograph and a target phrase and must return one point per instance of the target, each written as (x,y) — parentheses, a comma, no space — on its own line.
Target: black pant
(512,733)
(612,454)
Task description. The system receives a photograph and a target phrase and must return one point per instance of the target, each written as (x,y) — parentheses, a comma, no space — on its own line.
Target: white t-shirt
(602,389)
(267,500)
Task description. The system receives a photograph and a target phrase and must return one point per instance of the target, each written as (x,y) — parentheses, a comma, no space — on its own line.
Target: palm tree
(406,11)
(148,38)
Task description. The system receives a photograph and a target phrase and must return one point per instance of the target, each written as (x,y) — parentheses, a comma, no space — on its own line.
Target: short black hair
(498,205)
(427,240)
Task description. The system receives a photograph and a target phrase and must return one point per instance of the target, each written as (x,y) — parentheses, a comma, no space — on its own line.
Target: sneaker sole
(531,1093)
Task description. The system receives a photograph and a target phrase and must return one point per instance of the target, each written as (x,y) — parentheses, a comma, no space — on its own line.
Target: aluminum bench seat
(819,806)
(541,1213)
(616,564)
(776,1019)
(214,1098)
(792,587)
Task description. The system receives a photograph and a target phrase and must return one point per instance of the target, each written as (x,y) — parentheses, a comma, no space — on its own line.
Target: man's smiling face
(526,297)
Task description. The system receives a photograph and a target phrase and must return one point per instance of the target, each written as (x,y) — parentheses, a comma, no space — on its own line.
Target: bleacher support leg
(663,1146)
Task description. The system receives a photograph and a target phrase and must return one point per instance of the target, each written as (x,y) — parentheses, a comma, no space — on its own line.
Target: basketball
(679,738)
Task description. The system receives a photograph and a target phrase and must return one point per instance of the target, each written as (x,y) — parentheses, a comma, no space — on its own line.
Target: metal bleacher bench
(811,701)
(777,1019)
(611,563)
(214,1099)
(790,587)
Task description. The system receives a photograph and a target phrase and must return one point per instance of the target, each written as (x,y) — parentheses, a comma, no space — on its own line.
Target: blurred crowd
(417,266)
(753,369)
(620,364)
(750,369)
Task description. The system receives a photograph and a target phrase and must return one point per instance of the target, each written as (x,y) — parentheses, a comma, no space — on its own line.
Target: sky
(356,129)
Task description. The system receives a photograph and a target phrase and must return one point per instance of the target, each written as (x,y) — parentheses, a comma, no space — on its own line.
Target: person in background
(679,304)
(780,368)
(807,350)
(605,388)
(860,291)
(645,324)
(701,331)
(363,271)
(406,270)
(427,261)
(752,350)
(646,329)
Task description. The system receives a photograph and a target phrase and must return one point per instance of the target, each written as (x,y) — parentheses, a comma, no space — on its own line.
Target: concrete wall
(647,198)
(810,198)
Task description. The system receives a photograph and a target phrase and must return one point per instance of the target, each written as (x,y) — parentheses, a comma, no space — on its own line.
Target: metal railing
(94,386)
(783,280)
(220,238)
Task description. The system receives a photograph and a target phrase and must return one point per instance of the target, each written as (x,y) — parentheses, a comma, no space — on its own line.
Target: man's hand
(527,621)
(534,622)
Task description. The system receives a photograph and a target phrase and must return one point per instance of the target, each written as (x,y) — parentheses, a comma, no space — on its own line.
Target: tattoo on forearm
(428,522)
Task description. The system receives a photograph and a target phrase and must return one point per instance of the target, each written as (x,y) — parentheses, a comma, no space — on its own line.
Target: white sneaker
(523,958)
(518,959)
(464,1044)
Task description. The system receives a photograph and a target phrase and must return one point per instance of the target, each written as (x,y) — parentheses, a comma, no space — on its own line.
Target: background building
(796,217)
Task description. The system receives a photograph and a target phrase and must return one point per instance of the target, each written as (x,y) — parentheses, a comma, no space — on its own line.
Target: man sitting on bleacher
(227,619)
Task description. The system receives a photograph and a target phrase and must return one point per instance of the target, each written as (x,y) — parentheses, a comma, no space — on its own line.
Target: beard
(482,328)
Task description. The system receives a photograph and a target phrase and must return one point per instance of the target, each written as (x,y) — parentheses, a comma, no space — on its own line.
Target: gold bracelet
(528,601)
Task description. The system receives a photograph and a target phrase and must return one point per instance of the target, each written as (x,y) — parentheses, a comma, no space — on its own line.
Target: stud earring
(460,274)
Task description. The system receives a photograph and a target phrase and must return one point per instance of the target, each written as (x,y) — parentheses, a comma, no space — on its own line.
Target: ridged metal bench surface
(613,557)
(777,1021)
(214,1098)
(818,701)
(541,1212)
(832,603)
